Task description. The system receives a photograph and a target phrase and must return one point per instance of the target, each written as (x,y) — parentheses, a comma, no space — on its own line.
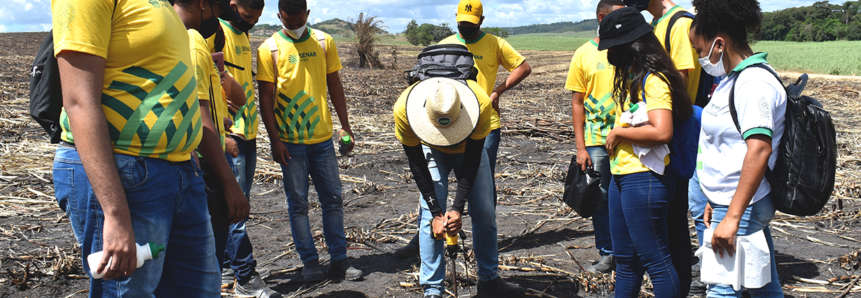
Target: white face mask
(716,69)
(598,32)
(294,34)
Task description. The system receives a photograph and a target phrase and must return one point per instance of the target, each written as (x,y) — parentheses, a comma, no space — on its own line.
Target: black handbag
(215,199)
(582,189)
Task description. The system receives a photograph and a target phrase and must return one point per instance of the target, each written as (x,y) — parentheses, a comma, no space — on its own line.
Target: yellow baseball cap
(469,11)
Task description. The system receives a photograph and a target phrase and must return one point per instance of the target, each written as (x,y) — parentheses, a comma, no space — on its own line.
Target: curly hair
(292,7)
(253,4)
(640,58)
(735,18)
(605,6)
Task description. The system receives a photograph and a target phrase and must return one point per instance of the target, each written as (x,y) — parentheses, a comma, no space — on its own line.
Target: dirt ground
(543,245)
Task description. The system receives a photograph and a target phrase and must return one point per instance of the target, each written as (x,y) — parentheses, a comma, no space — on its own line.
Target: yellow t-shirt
(683,54)
(624,161)
(489,52)
(301,109)
(149,85)
(405,133)
(591,74)
(208,82)
(237,50)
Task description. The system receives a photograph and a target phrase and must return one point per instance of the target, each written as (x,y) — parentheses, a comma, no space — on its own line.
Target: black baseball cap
(622,26)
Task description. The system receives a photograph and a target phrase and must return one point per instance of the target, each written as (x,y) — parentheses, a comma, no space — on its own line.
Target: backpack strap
(321,39)
(273,47)
(769,174)
(732,109)
(678,15)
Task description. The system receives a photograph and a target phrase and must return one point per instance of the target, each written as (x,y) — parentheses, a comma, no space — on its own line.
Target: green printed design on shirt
(599,122)
(298,118)
(164,126)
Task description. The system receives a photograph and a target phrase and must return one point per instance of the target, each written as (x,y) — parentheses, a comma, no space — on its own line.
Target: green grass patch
(549,41)
(829,57)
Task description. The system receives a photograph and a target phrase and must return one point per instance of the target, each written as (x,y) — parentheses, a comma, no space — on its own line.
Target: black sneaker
(255,287)
(499,288)
(605,265)
(313,272)
(342,269)
(408,251)
(227,278)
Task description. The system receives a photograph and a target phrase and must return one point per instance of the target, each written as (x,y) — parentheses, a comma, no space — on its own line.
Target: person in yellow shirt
(296,114)
(238,263)
(489,52)
(123,172)
(442,124)
(687,198)
(639,197)
(590,79)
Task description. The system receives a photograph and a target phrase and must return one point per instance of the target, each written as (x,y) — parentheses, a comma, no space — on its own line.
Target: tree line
(821,21)
(425,34)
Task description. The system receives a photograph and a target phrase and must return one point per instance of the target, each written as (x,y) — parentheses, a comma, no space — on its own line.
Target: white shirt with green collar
(760,100)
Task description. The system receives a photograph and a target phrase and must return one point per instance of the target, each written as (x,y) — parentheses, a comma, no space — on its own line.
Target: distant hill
(335,27)
(561,27)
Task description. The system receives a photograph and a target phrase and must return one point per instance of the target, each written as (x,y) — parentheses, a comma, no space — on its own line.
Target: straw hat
(442,112)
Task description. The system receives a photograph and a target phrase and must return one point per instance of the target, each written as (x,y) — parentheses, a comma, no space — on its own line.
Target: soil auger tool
(451,250)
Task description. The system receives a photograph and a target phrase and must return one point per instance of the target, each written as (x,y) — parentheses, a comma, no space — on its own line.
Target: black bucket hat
(622,26)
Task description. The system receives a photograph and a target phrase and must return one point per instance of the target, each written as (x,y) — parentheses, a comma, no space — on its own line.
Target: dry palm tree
(365,30)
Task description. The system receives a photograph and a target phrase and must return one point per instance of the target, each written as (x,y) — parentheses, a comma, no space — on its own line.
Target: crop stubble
(543,245)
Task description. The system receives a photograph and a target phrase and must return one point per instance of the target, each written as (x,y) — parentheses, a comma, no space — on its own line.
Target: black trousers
(679,235)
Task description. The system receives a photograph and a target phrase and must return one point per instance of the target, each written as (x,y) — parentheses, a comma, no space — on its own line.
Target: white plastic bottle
(145,252)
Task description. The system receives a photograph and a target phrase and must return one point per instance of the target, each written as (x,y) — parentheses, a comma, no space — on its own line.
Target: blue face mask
(638,4)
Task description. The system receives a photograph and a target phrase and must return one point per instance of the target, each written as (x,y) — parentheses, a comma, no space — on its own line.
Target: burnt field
(544,245)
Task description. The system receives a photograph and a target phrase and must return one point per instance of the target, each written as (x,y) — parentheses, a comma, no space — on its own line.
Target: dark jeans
(233,246)
(638,224)
(680,236)
(239,252)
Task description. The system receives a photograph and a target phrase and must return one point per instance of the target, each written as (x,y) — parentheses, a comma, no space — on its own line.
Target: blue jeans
(481,210)
(601,215)
(318,161)
(167,204)
(491,147)
(246,163)
(239,252)
(697,205)
(755,218)
(638,221)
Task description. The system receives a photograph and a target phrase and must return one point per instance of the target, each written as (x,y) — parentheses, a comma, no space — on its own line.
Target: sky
(35,15)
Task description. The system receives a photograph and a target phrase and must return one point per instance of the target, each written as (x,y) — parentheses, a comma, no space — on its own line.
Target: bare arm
(339,101)
(82,76)
(519,73)
(267,112)
(684,74)
(578,111)
(235,94)
(752,171)
(658,132)
(210,148)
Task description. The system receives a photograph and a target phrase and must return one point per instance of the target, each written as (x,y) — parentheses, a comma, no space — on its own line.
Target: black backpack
(46,93)
(452,61)
(707,82)
(803,176)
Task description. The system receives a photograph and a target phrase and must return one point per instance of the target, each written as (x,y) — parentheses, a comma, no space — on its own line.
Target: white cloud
(24,15)
(3,28)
